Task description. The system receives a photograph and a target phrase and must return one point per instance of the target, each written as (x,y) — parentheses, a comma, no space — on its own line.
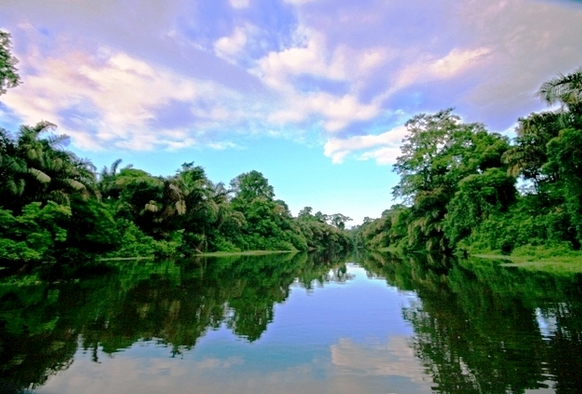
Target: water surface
(291,324)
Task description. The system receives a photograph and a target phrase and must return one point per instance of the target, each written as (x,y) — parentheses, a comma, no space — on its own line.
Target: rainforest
(467,190)
(118,281)
(462,189)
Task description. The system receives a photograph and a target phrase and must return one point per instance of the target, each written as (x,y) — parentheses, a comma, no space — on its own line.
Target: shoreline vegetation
(558,264)
(463,191)
(466,191)
(206,254)
(55,206)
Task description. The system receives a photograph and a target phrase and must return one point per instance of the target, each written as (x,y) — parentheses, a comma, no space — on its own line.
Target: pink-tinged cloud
(384,148)
(170,75)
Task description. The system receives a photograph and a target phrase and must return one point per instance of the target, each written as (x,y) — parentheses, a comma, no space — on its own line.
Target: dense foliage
(54,204)
(468,189)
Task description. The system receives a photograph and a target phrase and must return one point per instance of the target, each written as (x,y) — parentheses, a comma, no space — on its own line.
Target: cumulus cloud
(310,56)
(444,68)
(384,148)
(178,74)
(230,47)
(113,100)
(238,4)
(336,112)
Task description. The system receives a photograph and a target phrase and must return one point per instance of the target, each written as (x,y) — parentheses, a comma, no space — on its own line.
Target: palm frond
(39,175)
(114,166)
(76,185)
(181,207)
(57,141)
(176,192)
(60,197)
(566,89)
(151,207)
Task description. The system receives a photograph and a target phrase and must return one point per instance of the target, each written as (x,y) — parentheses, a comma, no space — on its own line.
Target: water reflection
(483,328)
(301,324)
(45,316)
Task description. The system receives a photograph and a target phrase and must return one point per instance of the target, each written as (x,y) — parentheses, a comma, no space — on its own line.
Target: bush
(35,235)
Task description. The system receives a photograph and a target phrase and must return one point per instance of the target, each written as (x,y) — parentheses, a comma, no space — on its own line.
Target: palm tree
(39,169)
(565,89)
(106,184)
(529,155)
(139,197)
(8,74)
(12,172)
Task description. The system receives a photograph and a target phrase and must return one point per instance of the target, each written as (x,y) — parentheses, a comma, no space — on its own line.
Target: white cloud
(334,113)
(238,4)
(484,58)
(114,100)
(298,2)
(383,156)
(372,58)
(309,58)
(430,68)
(230,47)
(384,148)
(312,57)
(337,112)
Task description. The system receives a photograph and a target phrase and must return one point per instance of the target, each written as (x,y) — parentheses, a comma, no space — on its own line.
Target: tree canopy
(9,77)
(459,181)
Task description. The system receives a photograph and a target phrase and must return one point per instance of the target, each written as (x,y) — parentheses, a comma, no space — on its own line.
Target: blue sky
(312,93)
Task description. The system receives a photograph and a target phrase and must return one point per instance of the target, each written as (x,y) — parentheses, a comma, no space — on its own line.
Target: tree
(565,154)
(140,196)
(564,89)
(13,171)
(529,156)
(478,197)
(305,214)
(338,220)
(251,185)
(106,185)
(33,235)
(422,166)
(39,169)
(438,153)
(9,77)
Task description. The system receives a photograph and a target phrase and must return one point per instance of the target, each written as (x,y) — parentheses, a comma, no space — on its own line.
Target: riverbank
(209,254)
(560,265)
(556,260)
(246,253)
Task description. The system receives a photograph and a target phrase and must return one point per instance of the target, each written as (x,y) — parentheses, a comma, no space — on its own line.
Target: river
(289,323)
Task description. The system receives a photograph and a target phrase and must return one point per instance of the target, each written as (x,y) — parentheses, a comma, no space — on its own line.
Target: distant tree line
(467,189)
(54,204)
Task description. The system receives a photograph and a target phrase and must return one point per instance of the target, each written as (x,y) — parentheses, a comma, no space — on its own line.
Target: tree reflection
(45,316)
(477,327)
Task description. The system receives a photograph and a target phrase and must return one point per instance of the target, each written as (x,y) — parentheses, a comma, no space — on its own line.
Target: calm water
(291,324)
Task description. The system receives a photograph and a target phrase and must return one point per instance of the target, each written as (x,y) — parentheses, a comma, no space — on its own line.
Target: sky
(311,93)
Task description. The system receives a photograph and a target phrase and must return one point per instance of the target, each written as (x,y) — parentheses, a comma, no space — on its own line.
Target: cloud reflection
(352,368)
